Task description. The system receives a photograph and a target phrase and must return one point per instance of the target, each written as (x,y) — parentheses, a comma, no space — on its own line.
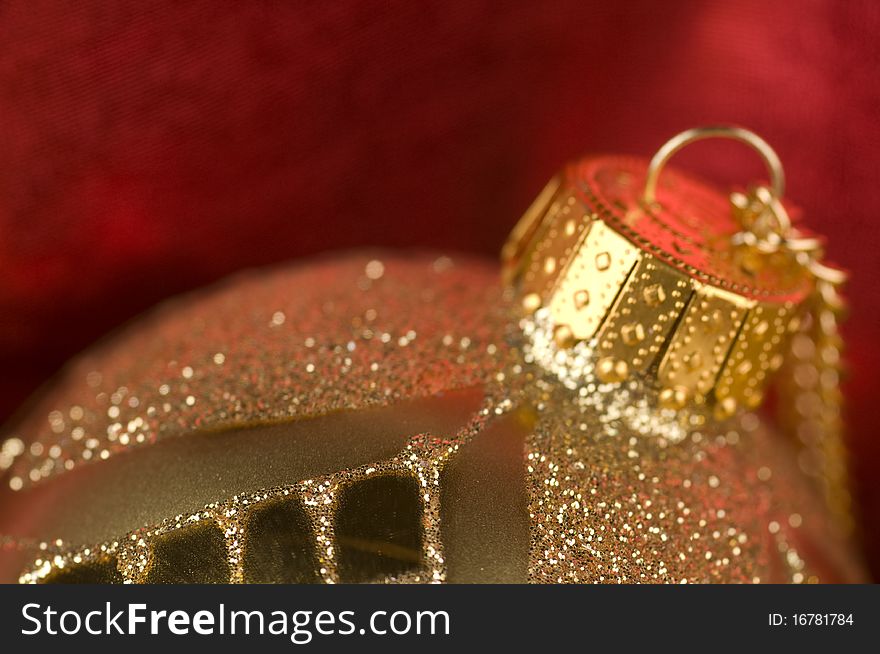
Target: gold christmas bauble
(381,417)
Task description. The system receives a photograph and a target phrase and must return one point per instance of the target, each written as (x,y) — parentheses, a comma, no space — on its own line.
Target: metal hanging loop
(677,142)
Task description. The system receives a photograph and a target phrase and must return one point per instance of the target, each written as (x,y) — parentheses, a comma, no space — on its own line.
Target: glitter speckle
(278,319)
(375,269)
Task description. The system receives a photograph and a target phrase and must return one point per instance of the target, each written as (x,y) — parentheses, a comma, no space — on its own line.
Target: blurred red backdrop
(150,147)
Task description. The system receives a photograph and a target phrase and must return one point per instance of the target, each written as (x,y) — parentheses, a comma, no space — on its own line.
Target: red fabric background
(150,147)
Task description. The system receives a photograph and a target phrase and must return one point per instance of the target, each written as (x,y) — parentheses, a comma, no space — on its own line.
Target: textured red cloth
(150,147)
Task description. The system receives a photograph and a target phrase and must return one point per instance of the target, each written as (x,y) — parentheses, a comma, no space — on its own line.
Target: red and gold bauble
(379,417)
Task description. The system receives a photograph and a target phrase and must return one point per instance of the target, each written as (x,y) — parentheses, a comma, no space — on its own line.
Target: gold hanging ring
(677,142)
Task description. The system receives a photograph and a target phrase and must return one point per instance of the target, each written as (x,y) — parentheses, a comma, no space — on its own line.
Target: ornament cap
(670,279)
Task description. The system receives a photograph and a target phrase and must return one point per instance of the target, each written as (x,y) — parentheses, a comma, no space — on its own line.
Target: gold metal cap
(688,288)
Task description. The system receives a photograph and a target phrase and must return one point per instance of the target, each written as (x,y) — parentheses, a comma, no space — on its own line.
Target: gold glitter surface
(538,473)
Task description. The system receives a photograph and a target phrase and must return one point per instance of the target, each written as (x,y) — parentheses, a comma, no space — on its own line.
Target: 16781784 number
(810,620)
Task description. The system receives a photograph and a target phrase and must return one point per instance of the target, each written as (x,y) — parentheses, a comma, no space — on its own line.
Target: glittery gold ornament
(393,418)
